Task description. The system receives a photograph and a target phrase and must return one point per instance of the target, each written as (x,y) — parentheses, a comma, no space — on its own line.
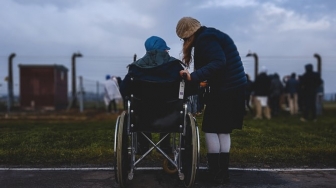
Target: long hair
(187,50)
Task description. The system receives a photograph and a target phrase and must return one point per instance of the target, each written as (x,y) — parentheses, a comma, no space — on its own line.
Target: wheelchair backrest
(156,107)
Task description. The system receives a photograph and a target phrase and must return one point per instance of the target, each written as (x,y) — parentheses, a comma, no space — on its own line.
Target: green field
(57,141)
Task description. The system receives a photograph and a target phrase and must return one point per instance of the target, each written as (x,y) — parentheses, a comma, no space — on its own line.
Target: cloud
(228,3)
(274,29)
(114,28)
(59,4)
(286,20)
(42,23)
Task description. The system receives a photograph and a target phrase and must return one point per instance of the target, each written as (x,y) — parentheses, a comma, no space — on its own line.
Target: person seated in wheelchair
(155,66)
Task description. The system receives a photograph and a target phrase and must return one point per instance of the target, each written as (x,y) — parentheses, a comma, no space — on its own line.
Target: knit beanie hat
(186,27)
(155,43)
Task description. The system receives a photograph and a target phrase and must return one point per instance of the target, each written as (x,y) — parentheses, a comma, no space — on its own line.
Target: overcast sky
(284,33)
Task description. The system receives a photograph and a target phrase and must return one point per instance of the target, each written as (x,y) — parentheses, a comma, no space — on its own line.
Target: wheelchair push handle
(185,76)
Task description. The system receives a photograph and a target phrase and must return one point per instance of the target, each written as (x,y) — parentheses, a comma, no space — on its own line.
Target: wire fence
(93,70)
(93,93)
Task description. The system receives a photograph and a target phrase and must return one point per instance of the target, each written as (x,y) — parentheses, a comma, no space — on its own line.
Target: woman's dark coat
(216,60)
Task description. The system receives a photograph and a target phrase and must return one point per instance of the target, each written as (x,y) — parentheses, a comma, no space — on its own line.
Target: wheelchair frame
(185,146)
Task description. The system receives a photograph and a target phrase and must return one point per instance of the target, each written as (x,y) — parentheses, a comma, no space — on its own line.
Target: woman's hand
(203,84)
(185,74)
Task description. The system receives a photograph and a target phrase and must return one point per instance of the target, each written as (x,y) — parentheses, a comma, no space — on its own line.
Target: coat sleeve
(208,49)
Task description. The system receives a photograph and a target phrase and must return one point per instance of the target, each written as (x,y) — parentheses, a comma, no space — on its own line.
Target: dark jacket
(276,88)
(310,80)
(262,85)
(156,66)
(217,60)
(292,86)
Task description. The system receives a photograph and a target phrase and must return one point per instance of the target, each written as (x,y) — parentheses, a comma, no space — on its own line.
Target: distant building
(43,87)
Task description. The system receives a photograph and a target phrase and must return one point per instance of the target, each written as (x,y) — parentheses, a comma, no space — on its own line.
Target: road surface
(105,178)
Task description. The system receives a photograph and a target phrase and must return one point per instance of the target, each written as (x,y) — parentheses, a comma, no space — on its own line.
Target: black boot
(214,170)
(224,159)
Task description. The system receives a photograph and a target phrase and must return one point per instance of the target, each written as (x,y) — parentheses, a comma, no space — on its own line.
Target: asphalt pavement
(105,178)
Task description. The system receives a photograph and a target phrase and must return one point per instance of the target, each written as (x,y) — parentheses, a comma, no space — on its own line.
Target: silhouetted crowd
(270,95)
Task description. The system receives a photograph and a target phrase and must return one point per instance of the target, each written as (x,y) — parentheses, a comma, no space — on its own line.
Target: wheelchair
(156,108)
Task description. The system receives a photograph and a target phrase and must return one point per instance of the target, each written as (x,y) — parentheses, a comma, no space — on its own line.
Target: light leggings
(218,143)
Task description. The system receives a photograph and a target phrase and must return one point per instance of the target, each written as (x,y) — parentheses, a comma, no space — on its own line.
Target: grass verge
(283,141)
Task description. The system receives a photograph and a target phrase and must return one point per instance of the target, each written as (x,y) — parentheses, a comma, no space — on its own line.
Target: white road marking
(160,168)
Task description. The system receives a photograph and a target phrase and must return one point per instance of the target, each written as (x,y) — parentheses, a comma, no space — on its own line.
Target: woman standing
(217,61)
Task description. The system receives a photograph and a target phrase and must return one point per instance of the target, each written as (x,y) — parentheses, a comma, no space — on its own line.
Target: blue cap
(108,77)
(155,43)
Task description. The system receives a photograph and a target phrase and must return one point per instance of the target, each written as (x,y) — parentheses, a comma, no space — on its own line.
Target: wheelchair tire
(190,157)
(115,149)
(122,163)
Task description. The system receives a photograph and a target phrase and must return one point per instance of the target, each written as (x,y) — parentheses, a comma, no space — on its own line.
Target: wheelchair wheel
(115,149)
(122,158)
(190,156)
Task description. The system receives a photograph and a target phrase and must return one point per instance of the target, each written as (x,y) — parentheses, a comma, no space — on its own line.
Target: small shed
(43,87)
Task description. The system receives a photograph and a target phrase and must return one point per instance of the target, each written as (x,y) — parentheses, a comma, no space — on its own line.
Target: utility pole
(74,88)
(319,63)
(10,96)
(256,63)
(81,94)
(134,57)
